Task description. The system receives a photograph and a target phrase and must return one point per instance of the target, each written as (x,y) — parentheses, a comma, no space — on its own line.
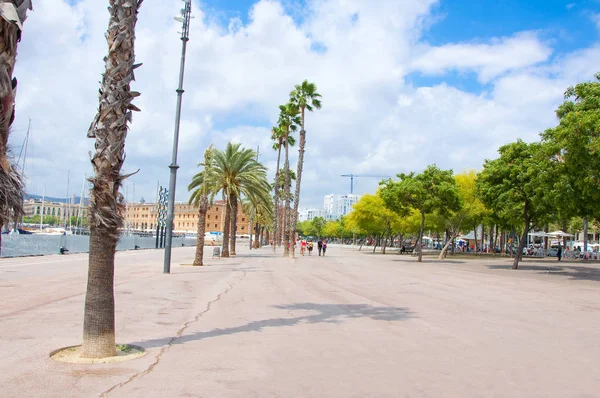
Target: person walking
(310,247)
(303,246)
(320,246)
(324,247)
(559,252)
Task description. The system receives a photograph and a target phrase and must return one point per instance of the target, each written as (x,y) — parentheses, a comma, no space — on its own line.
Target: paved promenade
(347,325)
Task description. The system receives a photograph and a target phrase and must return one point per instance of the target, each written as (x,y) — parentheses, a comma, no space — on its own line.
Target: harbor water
(15,245)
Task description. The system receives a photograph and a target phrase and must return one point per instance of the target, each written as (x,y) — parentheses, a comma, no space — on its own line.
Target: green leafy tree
(470,211)
(518,187)
(370,216)
(432,190)
(317,226)
(575,144)
(306,98)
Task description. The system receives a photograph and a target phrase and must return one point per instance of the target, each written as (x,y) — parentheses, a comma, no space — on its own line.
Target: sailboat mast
(42,212)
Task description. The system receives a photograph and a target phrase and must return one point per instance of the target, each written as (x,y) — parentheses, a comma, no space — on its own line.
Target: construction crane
(352,176)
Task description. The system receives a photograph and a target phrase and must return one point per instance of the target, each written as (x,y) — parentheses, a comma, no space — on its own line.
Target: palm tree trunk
(298,180)
(226,230)
(286,214)
(420,241)
(234,207)
(109,129)
(276,200)
(257,242)
(11,183)
(202,210)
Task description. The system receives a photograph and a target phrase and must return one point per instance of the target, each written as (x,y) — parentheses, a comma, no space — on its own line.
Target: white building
(339,205)
(310,214)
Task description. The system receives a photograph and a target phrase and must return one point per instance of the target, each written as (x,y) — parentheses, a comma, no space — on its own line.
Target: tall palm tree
(305,97)
(281,138)
(277,135)
(201,197)
(13,13)
(236,174)
(289,119)
(109,129)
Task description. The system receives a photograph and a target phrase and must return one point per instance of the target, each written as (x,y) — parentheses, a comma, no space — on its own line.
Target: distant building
(63,211)
(143,217)
(311,214)
(336,206)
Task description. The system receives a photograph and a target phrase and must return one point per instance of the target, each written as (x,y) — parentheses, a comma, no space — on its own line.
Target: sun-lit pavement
(346,325)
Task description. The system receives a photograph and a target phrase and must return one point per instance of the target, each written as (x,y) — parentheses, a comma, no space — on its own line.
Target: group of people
(321,246)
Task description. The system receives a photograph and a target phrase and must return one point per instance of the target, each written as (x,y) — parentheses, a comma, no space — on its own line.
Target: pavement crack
(177,336)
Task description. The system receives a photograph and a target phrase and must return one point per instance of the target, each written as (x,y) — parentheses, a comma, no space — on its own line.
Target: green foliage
(518,187)
(433,190)
(317,225)
(575,147)
(370,216)
(48,220)
(304,228)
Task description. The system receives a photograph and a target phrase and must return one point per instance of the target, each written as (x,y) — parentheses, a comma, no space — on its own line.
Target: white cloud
(236,75)
(489,60)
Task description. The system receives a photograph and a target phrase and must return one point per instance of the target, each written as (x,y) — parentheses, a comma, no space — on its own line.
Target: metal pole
(173,166)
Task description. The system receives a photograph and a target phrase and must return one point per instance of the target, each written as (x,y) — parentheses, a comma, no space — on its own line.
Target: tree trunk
(109,128)
(475,235)
(11,182)
(564,229)
(99,317)
(233,232)
(375,243)
(298,180)
(523,240)
(522,243)
(585,235)
(276,199)
(226,230)
(202,210)
(385,244)
(264,235)
(257,242)
(286,214)
(420,240)
(445,248)
(503,242)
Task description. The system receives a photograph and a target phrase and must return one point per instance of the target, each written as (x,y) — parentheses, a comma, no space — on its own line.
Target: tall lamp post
(185,30)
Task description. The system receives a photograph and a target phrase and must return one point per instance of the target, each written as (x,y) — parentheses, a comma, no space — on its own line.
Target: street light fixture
(185,30)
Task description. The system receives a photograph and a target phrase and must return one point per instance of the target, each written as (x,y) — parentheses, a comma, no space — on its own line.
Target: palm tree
(200,198)
(109,129)
(280,138)
(305,97)
(288,120)
(13,13)
(277,135)
(259,210)
(236,174)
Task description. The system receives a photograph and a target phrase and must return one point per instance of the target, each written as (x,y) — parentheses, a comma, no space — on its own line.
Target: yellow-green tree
(471,211)
(370,216)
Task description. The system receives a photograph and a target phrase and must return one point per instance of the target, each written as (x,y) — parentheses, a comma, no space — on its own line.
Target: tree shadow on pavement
(321,313)
(573,272)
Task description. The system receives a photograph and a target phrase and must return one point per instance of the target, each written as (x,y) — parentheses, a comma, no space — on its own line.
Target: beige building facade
(143,217)
(63,211)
